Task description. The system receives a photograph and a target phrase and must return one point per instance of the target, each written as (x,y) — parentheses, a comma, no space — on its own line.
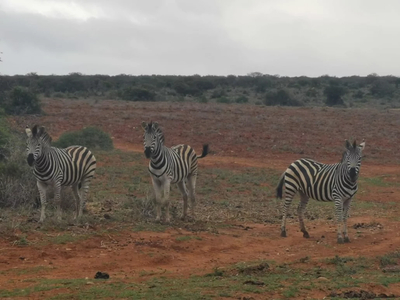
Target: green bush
(242,99)
(20,101)
(90,137)
(281,97)
(334,94)
(137,94)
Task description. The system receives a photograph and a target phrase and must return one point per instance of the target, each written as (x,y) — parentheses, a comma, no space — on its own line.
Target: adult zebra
(170,165)
(336,182)
(74,166)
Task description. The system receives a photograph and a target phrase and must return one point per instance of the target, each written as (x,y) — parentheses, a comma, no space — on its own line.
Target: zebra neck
(159,159)
(344,173)
(43,162)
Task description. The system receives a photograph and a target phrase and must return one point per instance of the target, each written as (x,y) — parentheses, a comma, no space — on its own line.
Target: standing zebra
(74,166)
(336,182)
(170,165)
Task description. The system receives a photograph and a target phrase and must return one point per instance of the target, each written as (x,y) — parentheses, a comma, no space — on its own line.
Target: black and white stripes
(322,182)
(170,165)
(74,166)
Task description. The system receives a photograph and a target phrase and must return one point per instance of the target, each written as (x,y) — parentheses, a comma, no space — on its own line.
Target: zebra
(323,182)
(74,166)
(170,165)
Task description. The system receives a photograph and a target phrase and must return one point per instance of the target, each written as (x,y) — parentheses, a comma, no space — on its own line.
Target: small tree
(334,95)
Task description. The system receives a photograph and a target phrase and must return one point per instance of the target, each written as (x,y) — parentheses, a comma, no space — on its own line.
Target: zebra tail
(205,151)
(279,188)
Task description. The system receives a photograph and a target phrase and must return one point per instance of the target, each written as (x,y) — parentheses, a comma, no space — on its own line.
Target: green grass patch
(188,238)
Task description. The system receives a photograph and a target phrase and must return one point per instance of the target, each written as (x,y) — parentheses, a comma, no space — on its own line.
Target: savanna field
(233,249)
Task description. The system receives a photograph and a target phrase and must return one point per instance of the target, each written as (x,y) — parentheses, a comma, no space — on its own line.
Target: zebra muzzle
(147,152)
(30,159)
(353,174)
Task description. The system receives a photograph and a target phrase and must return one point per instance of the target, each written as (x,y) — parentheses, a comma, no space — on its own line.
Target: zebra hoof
(346,240)
(306,235)
(340,240)
(283,233)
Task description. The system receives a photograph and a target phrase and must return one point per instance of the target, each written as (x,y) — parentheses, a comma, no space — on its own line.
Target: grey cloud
(207,37)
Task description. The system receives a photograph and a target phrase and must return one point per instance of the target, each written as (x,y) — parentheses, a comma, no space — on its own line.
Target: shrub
(202,99)
(218,93)
(90,137)
(20,101)
(137,94)
(334,95)
(358,95)
(17,184)
(281,97)
(242,99)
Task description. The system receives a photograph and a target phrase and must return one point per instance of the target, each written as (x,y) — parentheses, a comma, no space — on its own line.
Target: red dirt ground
(238,136)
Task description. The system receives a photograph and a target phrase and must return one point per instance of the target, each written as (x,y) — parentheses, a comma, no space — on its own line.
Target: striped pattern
(170,165)
(322,182)
(74,166)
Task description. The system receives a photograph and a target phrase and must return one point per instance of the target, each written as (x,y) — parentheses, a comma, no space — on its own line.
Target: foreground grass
(282,281)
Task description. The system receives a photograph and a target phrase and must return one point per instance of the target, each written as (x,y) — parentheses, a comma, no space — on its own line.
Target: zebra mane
(157,131)
(40,133)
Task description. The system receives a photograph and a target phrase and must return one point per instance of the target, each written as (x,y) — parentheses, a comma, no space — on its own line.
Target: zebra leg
(75,189)
(288,200)
(339,219)
(192,192)
(167,187)
(57,199)
(157,198)
(182,188)
(300,211)
(83,195)
(42,187)
(346,207)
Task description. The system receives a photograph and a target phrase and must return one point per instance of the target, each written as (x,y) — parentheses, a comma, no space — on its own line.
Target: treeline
(254,88)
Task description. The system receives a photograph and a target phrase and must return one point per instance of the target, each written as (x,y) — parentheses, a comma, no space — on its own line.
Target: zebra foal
(322,182)
(74,166)
(170,165)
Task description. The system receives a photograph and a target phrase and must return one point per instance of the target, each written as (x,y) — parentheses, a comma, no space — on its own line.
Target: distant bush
(59,95)
(202,99)
(90,137)
(382,88)
(223,100)
(137,94)
(218,93)
(281,97)
(242,99)
(20,101)
(334,95)
(358,95)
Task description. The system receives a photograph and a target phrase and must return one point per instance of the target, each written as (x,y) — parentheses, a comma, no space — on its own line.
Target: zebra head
(152,138)
(38,139)
(352,158)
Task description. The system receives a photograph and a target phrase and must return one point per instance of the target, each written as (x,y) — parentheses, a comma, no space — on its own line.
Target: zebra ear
(362,146)
(144,125)
(28,131)
(34,130)
(41,130)
(155,125)
(348,145)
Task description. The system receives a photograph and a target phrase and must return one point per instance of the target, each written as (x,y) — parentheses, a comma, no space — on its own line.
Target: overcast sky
(185,37)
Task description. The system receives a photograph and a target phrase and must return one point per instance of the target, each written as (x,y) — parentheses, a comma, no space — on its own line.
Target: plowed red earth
(238,136)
